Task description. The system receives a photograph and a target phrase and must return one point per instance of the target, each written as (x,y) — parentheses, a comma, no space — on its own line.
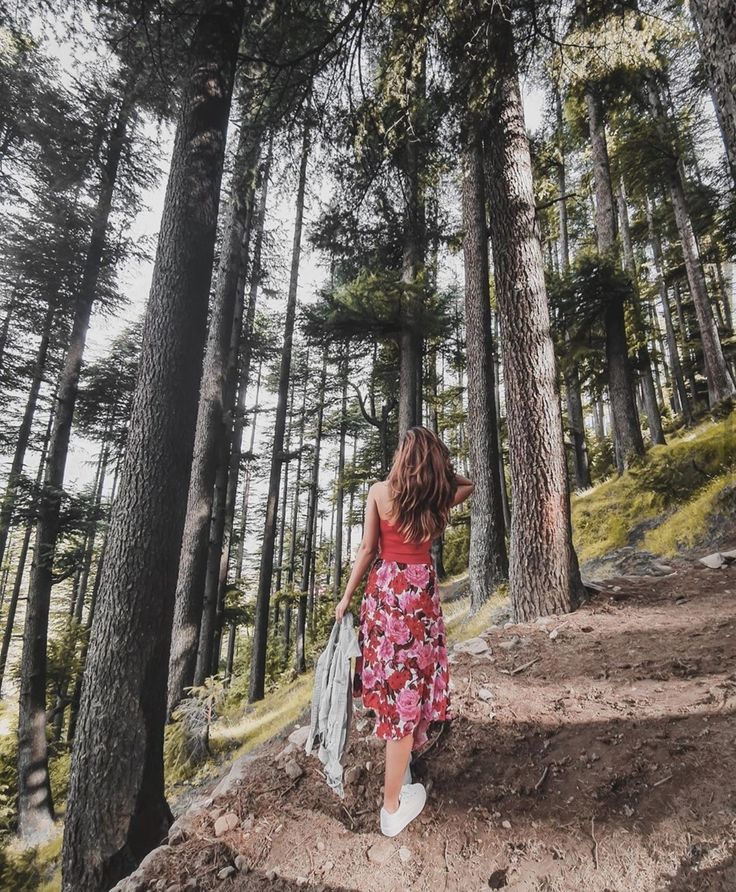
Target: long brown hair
(422,484)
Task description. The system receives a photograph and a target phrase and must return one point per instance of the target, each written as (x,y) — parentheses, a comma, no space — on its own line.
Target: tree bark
(628,433)
(210,433)
(672,350)
(720,383)
(340,484)
(260,630)
(654,419)
(716,29)
(117,811)
(310,527)
(488,563)
(35,808)
(24,431)
(543,571)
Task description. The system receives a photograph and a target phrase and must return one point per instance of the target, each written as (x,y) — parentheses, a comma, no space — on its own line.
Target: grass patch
(32,870)
(678,473)
(685,528)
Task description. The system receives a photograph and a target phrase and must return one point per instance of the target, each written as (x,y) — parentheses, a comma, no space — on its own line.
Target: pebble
(506,825)
(380,852)
(301,881)
(299,736)
(293,769)
(241,863)
(511,644)
(225,823)
(368,766)
(405,854)
(327,866)
(352,775)
(485,694)
(320,846)
(225,872)
(475,646)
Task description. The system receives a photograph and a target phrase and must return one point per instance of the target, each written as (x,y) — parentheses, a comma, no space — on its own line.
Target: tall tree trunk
(672,350)
(35,808)
(260,629)
(23,556)
(499,436)
(240,554)
(310,527)
(24,431)
(340,482)
(572,374)
(543,571)
(410,340)
(654,419)
(210,434)
(117,811)
(488,564)
(628,433)
(720,384)
(716,28)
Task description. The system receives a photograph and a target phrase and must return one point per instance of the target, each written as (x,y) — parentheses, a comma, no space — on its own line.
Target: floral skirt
(402,673)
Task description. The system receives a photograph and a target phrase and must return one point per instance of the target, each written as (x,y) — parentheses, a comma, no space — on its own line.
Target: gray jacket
(332,700)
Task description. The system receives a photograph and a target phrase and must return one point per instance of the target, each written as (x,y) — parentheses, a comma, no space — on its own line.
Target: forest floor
(592,751)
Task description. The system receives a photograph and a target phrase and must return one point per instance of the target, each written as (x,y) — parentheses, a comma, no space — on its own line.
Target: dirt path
(608,764)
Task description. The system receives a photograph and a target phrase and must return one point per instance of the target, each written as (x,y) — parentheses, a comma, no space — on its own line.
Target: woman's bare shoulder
(380,493)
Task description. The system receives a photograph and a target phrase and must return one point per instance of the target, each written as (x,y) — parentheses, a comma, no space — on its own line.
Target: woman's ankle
(391,807)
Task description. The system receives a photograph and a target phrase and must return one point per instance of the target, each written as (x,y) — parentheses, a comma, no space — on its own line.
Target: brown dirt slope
(591,752)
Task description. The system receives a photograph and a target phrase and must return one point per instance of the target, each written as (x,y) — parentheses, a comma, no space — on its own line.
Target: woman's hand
(342,607)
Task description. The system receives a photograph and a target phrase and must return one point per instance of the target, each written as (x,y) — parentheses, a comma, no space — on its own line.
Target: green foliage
(31,870)
(671,476)
(186,743)
(456,548)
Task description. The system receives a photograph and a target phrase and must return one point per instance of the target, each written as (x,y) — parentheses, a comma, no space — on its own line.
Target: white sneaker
(411,803)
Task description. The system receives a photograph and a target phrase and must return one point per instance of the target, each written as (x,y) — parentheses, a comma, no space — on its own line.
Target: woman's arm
(367,551)
(465,488)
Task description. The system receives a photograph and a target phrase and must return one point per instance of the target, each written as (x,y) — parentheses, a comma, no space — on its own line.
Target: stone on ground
(225,823)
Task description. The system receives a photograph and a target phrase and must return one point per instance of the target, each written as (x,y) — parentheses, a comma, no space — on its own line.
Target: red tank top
(393,546)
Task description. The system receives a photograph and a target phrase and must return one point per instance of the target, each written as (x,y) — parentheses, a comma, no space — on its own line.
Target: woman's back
(393,547)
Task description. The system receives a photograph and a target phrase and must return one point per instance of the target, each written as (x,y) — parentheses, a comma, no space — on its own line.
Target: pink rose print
(404,674)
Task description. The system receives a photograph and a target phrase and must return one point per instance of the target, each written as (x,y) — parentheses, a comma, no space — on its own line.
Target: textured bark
(263,597)
(340,484)
(543,571)
(116,809)
(488,564)
(629,442)
(672,350)
(654,419)
(310,528)
(35,809)
(210,432)
(24,431)
(410,340)
(720,383)
(573,397)
(715,22)
(22,557)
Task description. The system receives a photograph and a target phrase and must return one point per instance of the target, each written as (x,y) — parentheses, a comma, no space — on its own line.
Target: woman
(404,675)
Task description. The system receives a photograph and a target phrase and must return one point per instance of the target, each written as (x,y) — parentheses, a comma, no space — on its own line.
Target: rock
(662,569)
(511,644)
(352,775)
(288,750)
(508,625)
(241,864)
(473,646)
(506,825)
(133,883)
(368,766)
(729,555)
(153,856)
(192,884)
(225,823)
(554,634)
(177,835)
(485,694)
(327,866)
(299,736)
(714,561)
(226,872)
(248,822)
(271,875)
(320,846)
(236,774)
(380,852)
(497,880)
(405,854)
(301,881)
(293,769)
